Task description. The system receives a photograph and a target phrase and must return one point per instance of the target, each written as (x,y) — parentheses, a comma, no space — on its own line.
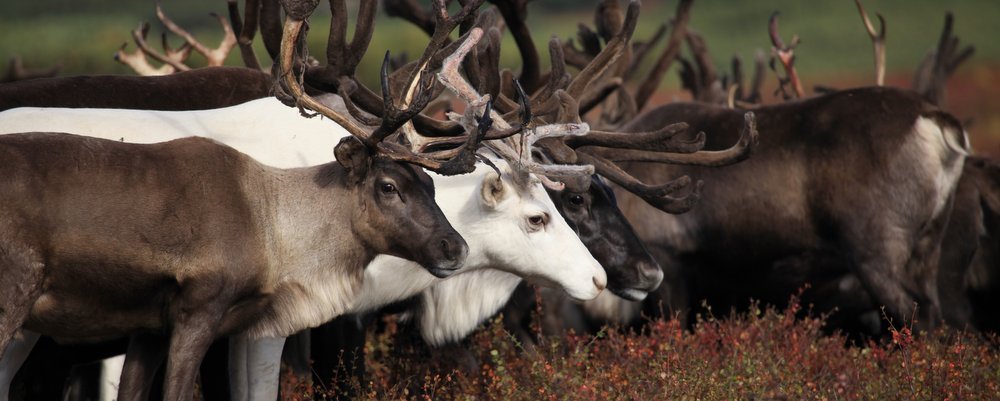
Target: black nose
(446,249)
(454,250)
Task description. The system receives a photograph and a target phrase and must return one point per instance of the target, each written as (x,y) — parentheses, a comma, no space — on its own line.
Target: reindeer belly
(91,302)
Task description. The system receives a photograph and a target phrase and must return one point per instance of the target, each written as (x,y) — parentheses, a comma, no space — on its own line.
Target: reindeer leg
(15,355)
(195,325)
(254,368)
(239,387)
(21,279)
(879,261)
(142,360)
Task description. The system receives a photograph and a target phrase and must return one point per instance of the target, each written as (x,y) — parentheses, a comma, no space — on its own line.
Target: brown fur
(190,240)
(838,182)
(203,88)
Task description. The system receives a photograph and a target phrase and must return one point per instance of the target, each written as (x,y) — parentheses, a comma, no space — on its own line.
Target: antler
(738,97)
(174,59)
(786,55)
(603,149)
(393,118)
(515,12)
(677,33)
(216,56)
(939,64)
(702,80)
(878,42)
(247,31)
(518,153)
(17,72)
(343,59)
(689,152)
(412,12)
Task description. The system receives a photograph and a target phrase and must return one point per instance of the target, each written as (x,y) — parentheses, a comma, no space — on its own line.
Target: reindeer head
(395,210)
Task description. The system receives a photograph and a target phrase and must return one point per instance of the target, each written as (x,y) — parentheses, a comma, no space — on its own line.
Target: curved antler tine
(662,140)
(288,78)
(523,101)
(524,110)
(878,41)
(666,197)
(786,55)
(667,57)
(595,68)
(215,57)
(515,15)
(450,77)
(246,30)
(598,95)
(772,30)
(463,159)
(611,52)
(738,152)
(569,108)
(347,87)
(384,80)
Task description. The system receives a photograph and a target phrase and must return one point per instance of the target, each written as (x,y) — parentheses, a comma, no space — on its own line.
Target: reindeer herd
(155,215)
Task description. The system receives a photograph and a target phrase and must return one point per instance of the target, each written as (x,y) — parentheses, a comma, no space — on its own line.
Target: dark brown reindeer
(211,242)
(175,87)
(857,181)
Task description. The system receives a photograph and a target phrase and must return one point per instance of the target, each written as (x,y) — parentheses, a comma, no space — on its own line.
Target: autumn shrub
(760,354)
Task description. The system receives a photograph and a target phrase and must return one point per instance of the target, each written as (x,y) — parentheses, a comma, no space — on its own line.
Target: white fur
(276,135)
(610,308)
(944,157)
(452,309)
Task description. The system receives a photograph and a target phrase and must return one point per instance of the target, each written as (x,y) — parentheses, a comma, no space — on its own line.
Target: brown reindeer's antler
(786,55)
(603,149)
(392,118)
(338,75)
(939,64)
(878,42)
(562,100)
(247,28)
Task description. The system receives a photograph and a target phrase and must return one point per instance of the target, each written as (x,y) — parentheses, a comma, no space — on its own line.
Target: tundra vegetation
(759,352)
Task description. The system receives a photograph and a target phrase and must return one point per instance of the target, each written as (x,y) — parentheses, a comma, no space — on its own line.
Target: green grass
(83,35)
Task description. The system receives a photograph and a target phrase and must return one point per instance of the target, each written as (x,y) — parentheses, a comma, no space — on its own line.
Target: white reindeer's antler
(517,152)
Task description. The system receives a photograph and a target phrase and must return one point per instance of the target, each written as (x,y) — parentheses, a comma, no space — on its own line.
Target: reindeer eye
(536,221)
(576,200)
(388,188)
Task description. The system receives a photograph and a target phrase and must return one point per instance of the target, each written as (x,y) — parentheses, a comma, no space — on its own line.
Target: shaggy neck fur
(318,262)
(453,308)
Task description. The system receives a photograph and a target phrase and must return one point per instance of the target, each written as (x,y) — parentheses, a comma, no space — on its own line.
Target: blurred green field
(83,35)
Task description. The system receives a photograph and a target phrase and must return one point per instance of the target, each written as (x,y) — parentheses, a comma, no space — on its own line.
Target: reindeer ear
(354,157)
(493,191)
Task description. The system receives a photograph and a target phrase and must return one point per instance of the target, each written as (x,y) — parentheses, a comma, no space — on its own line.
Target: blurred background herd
(81,37)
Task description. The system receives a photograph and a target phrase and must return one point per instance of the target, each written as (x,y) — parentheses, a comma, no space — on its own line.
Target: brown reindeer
(192,240)
(853,183)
